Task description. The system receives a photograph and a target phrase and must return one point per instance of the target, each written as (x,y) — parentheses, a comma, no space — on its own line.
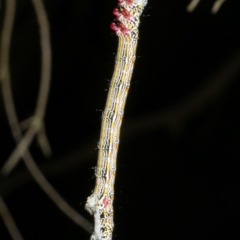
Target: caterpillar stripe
(100,202)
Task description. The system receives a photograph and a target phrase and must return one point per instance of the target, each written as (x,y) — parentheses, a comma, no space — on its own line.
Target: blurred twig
(23,143)
(192,5)
(9,221)
(216,6)
(37,119)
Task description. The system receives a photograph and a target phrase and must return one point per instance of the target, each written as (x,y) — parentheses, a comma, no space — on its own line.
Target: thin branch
(46,58)
(42,139)
(54,195)
(43,142)
(53,168)
(36,122)
(21,148)
(9,221)
(217,5)
(192,5)
(4,68)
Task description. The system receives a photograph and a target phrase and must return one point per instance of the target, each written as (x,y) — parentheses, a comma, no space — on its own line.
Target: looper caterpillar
(100,202)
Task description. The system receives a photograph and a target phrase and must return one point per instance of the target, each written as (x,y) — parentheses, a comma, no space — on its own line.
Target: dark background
(179,156)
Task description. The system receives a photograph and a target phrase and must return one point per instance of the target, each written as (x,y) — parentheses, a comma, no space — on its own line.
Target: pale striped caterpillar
(100,203)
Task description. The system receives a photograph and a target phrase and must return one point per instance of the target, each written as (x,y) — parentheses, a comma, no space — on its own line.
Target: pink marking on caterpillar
(119,27)
(125,13)
(123,29)
(129,2)
(116,12)
(114,27)
(105,202)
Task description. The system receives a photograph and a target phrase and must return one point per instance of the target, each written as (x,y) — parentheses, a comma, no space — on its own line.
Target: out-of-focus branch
(9,221)
(46,58)
(53,168)
(192,5)
(22,148)
(216,6)
(37,119)
(4,68)
(43,142)
(54,195)
(42,139)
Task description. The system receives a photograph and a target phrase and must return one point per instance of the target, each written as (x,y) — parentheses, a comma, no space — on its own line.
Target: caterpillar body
(100,202)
